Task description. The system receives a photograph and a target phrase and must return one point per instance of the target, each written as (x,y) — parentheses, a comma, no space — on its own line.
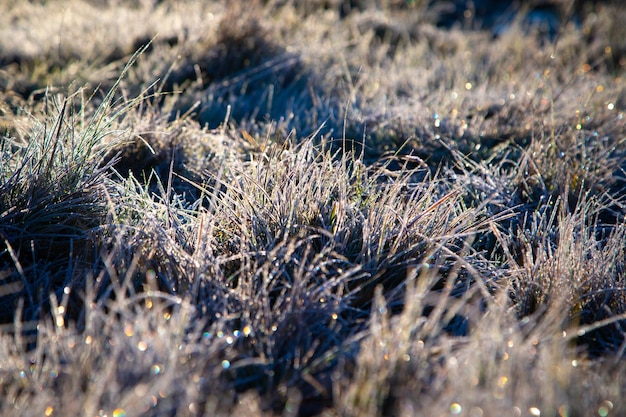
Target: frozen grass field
(296,208)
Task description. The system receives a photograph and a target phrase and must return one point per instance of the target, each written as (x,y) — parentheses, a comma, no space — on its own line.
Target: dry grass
(311,208)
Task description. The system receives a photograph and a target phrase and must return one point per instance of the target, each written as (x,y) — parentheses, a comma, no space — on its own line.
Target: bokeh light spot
(456,408)
(119,412)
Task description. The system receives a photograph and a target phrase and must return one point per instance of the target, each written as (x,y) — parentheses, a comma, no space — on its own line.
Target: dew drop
(456,408)
(476,412)
(119,412)
(605,408)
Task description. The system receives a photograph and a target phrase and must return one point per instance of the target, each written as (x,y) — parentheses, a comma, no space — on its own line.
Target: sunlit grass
(296,208)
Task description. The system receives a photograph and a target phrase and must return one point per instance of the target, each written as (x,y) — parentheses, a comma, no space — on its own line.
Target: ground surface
(339,208)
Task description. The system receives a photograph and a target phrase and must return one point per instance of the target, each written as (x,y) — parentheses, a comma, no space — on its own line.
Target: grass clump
(51,201)
(321,208)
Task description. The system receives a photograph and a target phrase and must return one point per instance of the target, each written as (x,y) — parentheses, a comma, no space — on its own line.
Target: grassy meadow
(312,208)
